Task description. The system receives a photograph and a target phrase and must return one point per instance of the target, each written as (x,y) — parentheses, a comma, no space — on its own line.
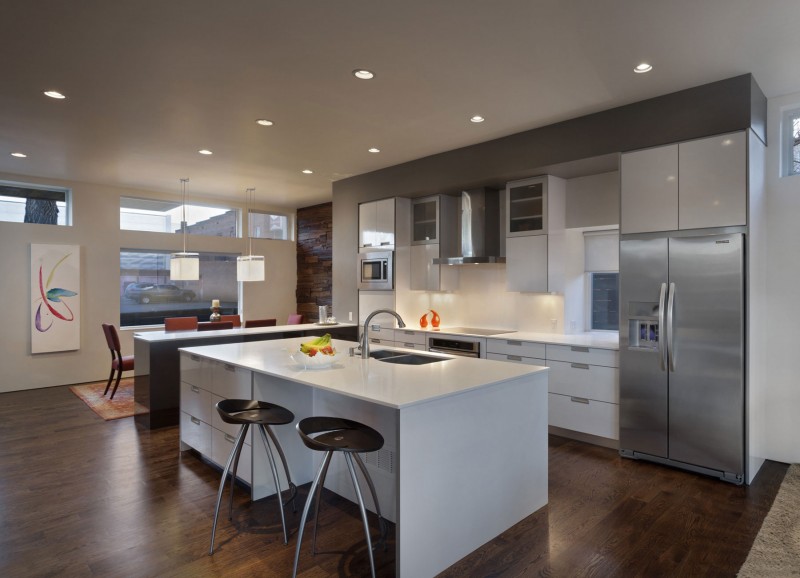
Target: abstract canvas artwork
(55,298)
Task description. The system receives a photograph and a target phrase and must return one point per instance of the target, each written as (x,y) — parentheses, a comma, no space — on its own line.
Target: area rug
(776,549)
(121,406)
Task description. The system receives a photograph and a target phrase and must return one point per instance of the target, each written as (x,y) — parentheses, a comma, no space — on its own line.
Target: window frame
(237,226)
(289,224)
(791,167)
(590,301)
(68,202)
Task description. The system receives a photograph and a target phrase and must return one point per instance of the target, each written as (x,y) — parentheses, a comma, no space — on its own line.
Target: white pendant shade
(184,267)
(250,268)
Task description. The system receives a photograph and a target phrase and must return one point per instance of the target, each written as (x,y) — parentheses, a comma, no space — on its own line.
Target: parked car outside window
(147,292)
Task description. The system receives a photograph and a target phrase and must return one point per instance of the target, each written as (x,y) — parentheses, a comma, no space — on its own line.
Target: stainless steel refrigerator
(682,351)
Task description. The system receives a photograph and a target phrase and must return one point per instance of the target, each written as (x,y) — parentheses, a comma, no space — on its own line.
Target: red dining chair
(235,319)
(260,323)
(212,325)
(119,362)
(180,323)
(295,319)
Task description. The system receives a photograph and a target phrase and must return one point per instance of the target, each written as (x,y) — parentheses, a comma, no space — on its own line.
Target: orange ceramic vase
(435,320)
(423,321)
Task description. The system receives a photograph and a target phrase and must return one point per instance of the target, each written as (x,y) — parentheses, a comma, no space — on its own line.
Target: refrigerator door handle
(662,305)
(670,328)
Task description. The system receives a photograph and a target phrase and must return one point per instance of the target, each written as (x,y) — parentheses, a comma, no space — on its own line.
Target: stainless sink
(405,358)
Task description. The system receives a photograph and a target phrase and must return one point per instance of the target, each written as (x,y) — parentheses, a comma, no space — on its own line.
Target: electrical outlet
(350,316)
(554,324)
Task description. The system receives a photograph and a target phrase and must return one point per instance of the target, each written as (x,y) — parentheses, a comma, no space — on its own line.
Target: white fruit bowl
(318,361)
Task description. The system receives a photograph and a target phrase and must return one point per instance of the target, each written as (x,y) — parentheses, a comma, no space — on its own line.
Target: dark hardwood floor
(83,497)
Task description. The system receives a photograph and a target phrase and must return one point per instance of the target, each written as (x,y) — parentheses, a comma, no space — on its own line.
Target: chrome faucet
(364,345)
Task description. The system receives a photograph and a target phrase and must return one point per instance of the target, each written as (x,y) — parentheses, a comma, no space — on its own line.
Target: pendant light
(184,266)
(249,267)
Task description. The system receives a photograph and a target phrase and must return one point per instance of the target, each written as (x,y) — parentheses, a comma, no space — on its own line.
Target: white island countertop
(393,385)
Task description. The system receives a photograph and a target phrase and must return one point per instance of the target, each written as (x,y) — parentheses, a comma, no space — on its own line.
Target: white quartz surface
(388,384)
(161,336)
(596,340)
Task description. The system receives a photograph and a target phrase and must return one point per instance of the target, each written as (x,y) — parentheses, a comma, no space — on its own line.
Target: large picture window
(601,263)
(147,295)
(165,217)
(25,203)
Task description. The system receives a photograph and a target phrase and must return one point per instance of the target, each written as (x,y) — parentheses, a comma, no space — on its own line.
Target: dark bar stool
(249,412)
(350,438)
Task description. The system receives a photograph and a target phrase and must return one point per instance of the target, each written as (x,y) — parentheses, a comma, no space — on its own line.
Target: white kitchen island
(465,456)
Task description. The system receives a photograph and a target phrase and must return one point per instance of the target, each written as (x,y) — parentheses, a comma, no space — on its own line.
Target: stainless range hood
(478,230)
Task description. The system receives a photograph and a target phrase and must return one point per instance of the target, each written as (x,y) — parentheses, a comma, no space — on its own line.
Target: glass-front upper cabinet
(425,221)
(526,207)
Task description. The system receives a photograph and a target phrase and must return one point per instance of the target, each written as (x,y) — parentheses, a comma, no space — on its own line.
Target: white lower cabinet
(203,384)
(410,339)
(583,383)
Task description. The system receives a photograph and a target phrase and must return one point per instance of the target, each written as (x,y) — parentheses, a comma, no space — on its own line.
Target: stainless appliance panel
(643,416)
(706,404)
(376,270)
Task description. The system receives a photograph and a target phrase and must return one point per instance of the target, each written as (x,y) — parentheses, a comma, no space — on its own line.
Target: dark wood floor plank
(80,496)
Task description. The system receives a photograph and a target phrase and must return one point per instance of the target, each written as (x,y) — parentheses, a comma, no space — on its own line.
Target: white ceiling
(150,82)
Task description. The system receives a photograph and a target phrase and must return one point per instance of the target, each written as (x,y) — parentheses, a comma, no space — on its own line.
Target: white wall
(96,229)
(783,287)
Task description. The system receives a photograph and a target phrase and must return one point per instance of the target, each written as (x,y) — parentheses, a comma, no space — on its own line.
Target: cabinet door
(713,182)
(526,207)
(424,274)
(367,222)
(526,264)
(384,223)
(425,221)
(649,190)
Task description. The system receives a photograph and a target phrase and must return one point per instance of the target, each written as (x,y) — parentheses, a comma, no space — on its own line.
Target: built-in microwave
(375,270)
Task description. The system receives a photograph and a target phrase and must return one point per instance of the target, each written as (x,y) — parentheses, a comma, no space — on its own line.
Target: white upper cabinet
(691,185)
(425,276)
(649,190)
(376,224)
(713,182)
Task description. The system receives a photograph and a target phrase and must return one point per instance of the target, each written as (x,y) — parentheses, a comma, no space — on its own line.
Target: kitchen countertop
(161,336)
(599,340)
(393,385)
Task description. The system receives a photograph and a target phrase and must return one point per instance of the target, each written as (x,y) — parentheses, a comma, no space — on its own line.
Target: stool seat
(241,411)
(262,415)
(338,434)
(335,434)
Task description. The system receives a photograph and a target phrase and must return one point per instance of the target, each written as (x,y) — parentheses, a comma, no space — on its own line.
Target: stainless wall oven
(375,270)
(463,346)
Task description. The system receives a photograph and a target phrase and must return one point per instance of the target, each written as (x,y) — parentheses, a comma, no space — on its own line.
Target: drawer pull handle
(195,420)
(512,342)
(579,365)
(579,400)
(195,357)
(513,357)
(579,349)
(195,389)
(408,333)
(230,438)
(374,340)
(229,367)
(410,345)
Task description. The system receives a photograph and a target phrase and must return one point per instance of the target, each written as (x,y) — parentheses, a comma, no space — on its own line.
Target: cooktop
(476,331)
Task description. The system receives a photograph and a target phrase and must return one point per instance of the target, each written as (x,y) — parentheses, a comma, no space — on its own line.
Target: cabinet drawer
(231,382)
(221,447)
(196,433)
(409,336)
(516,347)
(196,370)
(382,341)
(516,359)
(592,417)
(231,429)
(594,382)
(196,401)
(408,345)
(577,354)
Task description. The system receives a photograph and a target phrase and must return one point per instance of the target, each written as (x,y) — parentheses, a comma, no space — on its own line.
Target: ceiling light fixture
(184,266)
(249,267)
(19,155)
(477,118)
(374,150)
(265,122)
(308,172)
(54,94)
(205,152)
(642,68)
(363,74)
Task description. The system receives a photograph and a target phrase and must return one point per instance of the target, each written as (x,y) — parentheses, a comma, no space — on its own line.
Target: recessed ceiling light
(205,152)
(374,150)
(363,74)
(308,171)
(19,155)
(264,122)
(54,94)
(477,118)
(642,68)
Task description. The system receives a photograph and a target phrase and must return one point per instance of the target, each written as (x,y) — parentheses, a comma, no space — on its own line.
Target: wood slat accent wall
(314,258)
